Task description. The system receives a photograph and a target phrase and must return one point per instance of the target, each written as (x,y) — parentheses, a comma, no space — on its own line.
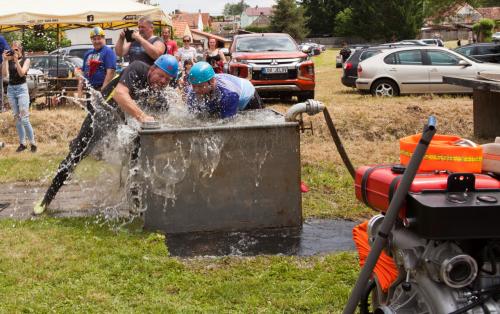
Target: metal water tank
(221,178)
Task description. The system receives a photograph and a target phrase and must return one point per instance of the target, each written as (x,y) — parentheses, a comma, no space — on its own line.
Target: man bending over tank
(136,91)
(220,95)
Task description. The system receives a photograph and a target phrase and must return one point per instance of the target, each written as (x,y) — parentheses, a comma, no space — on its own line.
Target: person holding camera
(16,68)
(3,47)
(140,45)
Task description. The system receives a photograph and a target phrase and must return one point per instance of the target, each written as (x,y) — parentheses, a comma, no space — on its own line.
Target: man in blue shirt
(3,46)
(99,64)
(221,95)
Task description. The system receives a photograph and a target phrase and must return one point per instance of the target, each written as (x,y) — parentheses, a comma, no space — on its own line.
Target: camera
(10,53)
(128,35)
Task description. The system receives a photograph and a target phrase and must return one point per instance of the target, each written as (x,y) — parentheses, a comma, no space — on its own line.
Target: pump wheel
(384,88)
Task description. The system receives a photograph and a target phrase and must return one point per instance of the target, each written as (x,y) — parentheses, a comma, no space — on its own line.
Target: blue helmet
(201,72)
(168,64)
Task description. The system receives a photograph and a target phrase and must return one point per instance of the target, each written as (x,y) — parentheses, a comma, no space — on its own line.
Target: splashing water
(110,190)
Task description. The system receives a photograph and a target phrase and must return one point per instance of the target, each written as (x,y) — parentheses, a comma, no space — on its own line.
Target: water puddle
(317,236)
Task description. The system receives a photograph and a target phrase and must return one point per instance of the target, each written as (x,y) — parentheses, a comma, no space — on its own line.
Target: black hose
(338,143)
(478,302)
(483,296)
(4,206)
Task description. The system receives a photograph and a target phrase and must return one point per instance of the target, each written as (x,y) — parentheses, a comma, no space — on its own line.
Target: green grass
(331,193)
(15,169)
(84,266)
(326,59)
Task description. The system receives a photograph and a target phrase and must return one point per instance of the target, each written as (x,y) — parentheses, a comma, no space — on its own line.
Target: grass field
(90,266)
(370,128)
(77,266)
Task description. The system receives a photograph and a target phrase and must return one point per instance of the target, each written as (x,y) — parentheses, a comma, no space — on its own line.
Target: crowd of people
(155,63)
(141,45)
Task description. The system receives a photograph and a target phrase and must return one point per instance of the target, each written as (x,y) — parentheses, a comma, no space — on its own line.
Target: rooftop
(256,11)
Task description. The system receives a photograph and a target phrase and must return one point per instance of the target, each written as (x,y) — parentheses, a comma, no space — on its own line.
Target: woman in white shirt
(186,52)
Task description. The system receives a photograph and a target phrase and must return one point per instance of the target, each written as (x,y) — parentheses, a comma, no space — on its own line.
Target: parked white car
(417,70)
(496,36)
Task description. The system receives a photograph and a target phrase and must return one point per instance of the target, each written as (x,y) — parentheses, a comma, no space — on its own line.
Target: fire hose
(312,107)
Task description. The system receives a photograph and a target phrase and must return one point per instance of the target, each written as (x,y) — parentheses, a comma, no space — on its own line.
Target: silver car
(417,70)
(37,84)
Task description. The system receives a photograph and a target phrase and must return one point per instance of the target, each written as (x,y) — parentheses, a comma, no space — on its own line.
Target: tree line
(368,19)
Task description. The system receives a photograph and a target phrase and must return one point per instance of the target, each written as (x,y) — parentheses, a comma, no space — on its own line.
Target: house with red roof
(251,14)
(455,22)
(193,19)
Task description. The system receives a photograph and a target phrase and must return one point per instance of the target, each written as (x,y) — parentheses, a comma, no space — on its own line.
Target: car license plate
(274,70)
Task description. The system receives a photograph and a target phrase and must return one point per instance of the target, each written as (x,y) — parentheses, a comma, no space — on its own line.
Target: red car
(274,64)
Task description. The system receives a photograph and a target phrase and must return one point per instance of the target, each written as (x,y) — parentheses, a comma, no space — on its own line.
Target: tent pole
(58,52)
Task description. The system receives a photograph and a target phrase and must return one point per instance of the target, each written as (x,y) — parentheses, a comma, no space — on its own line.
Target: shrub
(258,29)
(484,29)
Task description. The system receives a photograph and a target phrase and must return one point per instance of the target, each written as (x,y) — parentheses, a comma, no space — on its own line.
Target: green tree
(321,14)
(343,23)
(484,29)
(38,39)
(289,18)
(43,40)
(234,9)
(489,3)
(382,20)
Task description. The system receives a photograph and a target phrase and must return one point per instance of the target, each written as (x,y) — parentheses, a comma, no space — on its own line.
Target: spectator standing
(170,44)
(4,46)
(214,56)
(186,52)
(99,63)
(144,47)
(345,52)
(16,66)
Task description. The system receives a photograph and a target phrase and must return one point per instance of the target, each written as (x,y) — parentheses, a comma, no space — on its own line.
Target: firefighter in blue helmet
(136,92)
(221,95)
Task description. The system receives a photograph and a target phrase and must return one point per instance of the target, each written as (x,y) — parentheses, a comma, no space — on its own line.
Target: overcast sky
(214,7)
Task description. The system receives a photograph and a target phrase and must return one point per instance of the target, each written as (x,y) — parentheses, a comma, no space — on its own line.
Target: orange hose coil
(443,154)
(385,270)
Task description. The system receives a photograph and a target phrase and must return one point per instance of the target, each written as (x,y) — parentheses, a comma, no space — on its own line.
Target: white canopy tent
(68,14)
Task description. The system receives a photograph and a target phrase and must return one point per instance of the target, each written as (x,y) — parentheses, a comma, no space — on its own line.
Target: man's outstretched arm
(128,105)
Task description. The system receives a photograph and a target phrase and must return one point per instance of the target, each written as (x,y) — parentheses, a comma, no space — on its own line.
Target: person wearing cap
(220,95)
(99,63)
(136,92)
